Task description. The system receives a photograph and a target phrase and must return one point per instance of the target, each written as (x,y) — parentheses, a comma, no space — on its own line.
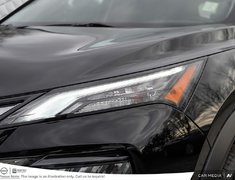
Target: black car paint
(164,129)
(61,56)
(213,90)
(158,138)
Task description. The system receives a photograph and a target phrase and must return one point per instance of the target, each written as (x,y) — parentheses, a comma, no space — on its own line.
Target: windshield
(123,12)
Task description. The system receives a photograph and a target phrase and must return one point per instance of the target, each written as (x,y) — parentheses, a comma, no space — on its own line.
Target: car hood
(40,58)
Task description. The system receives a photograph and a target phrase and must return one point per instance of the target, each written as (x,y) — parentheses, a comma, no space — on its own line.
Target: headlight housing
(170,85)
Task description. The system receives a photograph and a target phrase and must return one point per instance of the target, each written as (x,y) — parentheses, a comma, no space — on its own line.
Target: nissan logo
(3,170)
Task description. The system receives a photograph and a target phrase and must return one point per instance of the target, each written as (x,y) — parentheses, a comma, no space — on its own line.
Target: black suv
(119,86)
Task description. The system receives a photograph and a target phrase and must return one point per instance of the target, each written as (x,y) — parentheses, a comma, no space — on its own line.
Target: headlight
(171,85)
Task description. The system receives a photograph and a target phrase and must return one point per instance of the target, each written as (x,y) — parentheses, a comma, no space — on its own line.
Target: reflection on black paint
(217,83)
(176,148)
(166,140)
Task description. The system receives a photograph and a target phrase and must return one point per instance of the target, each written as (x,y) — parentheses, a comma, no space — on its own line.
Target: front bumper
(148,139)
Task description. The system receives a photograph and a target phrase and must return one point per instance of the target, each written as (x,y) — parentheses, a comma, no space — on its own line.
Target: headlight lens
(172,85)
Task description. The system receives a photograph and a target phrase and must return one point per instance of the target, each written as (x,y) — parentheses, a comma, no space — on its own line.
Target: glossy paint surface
(161,138)
(216,85)
(39,58)
(165,140)
(157,138)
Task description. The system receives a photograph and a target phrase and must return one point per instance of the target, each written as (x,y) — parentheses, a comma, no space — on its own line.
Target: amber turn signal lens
(177,92)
